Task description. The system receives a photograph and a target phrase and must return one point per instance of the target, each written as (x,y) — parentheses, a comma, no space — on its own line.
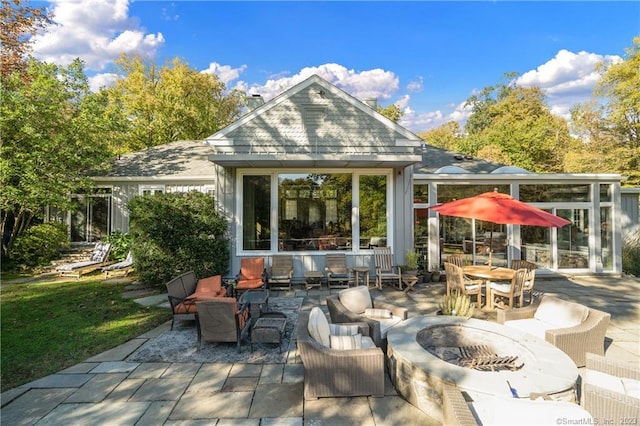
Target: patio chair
(222,320)
(527,287)
(511,291)
(456,259)
(355,304)
(281,272)
(120,269)
(334,368)
(456,280)
(611,388)
(252,274)
(337,272)
(97,260)
(385,268)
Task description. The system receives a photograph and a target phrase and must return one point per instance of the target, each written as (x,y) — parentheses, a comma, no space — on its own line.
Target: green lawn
(49,326)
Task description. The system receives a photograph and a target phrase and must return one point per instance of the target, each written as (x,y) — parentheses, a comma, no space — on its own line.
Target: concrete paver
(106,389)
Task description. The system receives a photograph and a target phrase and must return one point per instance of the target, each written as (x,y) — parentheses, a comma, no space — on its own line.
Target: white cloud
(376,83)
(96,31)
(225,73)
(102,80)
(567,79)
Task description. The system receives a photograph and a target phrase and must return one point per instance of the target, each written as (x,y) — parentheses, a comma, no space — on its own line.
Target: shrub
(631,253)
(40,244)
(175,233)
(120,245)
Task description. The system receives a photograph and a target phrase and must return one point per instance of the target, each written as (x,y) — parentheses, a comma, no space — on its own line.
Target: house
(315,170)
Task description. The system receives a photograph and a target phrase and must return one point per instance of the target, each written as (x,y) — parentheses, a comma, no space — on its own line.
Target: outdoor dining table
(488,274)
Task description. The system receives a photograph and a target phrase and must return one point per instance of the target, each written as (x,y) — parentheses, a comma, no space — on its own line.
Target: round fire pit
(480,357)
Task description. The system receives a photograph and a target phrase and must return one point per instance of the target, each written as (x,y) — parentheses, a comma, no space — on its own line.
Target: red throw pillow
(209,285)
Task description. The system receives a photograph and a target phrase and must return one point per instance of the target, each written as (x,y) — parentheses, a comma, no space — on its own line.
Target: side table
(409,280)
(313,279)
(269,329)
(258,301)
(361,274)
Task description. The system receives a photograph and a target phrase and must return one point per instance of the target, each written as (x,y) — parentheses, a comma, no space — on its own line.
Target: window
(373,211)
(151,190)
(314,211)
(256,211)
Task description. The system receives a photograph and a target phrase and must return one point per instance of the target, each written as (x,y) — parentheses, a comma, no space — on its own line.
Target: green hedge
(177,232)
(39,245)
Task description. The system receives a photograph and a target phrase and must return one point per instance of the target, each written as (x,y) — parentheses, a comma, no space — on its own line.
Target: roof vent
(255,101)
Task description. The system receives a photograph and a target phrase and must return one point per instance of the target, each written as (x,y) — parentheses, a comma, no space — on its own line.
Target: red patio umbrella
(499,208)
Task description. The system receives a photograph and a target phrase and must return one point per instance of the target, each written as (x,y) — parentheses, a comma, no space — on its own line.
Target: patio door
(91,221)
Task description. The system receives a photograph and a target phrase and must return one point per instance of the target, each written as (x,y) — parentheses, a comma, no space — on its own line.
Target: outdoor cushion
(252,268)
(356,299)
(368,343)
(343,329)
(515,411)
(631,387)
(186,307)
(346,342)
(209,285)
(560,313)
(252,283)
(604,380)
(386,324)
(501,287)
(319,326)
(377,313)
(531,326)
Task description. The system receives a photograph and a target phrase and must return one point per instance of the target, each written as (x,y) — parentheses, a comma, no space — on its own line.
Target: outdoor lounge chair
(120,269)
(281,272)
(185,290)
(337,271)
(222,320)
(356,305)
(97,260)
(385,269)
(339,370)
(611,388)
(252,274)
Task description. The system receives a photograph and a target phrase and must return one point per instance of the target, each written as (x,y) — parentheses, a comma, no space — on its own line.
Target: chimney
(372,103)
(254,101)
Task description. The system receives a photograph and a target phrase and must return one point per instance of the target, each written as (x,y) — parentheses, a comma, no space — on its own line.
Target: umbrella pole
(490,244)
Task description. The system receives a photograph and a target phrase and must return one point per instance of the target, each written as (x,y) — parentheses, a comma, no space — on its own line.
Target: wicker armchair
(605,403)
(337,373)
(341,314)
(575,341)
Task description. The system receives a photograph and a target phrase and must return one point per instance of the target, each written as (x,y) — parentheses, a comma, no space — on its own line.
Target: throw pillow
(209,285)
(319,326)
(346,342)
(356,299)
(343,329)
(561,313)
(377,313)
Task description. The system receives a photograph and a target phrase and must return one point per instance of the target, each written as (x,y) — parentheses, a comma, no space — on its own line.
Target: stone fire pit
(425,352)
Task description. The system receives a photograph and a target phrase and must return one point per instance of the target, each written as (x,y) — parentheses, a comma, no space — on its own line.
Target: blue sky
(427,57)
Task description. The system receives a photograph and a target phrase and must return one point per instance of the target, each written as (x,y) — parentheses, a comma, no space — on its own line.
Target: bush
(40,244)
(120,245)
(631,253)
(175,233)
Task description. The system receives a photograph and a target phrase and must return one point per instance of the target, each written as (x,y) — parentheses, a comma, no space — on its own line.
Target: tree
(609,125)
(18,24)
(447,136)
(155,105)
(392,112)
(48,142)
(516,124)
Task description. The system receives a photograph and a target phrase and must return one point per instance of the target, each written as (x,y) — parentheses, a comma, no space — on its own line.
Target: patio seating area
(107,388)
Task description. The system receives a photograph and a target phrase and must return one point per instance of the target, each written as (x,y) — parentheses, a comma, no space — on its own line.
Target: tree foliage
(175,233)
(608,126)
(49,142)
(153,105)
(392,112)
(18,24)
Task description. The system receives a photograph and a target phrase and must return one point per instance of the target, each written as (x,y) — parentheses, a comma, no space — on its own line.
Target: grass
(47,327)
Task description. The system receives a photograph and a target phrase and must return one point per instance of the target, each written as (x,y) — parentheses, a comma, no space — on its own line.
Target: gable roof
(314,124)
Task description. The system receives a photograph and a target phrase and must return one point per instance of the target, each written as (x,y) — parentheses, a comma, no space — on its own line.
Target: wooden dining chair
(456,280)
(511,291)
(531,276)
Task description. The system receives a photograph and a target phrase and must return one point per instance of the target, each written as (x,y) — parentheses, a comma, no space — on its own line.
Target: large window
(90,221)
(314,211)
(323,211)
